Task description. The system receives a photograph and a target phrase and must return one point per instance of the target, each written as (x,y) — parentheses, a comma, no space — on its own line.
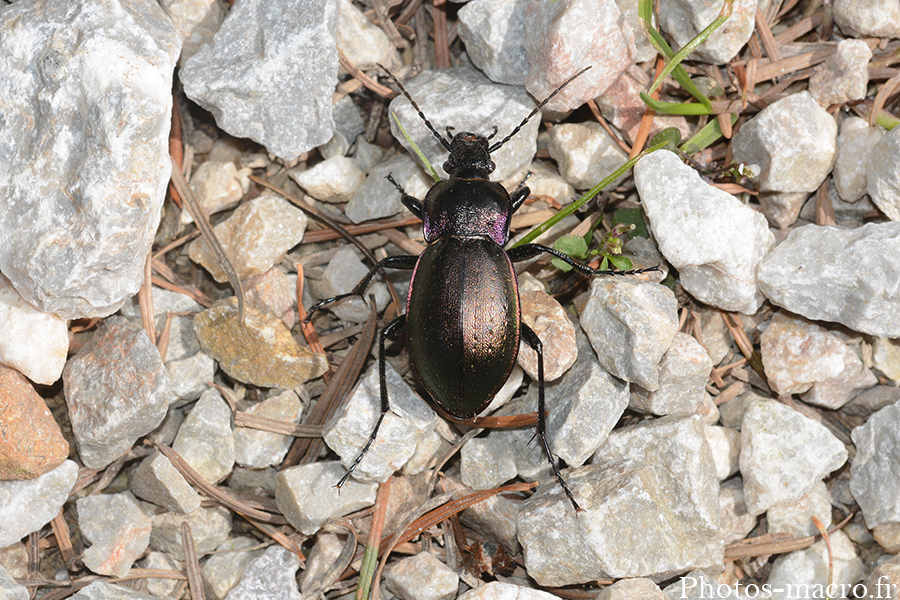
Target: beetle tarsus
(631,272)
(392,329)
(401,261)
(531,338)
(411,202)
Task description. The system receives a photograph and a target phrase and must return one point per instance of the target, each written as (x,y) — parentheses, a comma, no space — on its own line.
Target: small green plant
(673,66)
(610,249)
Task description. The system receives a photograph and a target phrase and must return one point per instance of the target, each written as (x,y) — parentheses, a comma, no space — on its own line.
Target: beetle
(463,321)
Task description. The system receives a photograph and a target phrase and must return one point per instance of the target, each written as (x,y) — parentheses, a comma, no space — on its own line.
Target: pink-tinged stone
(118,530)
(562,38)
(272,292)
(116,391)
(622,106)
(549,320)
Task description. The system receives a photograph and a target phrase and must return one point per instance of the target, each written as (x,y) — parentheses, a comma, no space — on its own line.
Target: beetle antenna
(445,143)
(536,109)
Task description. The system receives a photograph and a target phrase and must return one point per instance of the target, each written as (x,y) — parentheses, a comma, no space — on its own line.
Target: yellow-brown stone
(260,352)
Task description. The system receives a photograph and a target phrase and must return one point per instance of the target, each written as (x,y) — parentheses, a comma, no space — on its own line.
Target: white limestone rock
(561,38)
(307,497)
(630,324)
(494,34)
(86,90)
(683,372)
(465,99)
(269,73)
(205,440)
(809,571)
(216,185)
(844,77)
(855,143)
(27,505)
(585,153)
(684,20)
(883,175)
(713,239)
(351,426)
(364,43)
(783,455)
(333,180)
(196,21)
(868,18)
(793,141)
(875,472)
(847,276)
(256,448)
(33,342)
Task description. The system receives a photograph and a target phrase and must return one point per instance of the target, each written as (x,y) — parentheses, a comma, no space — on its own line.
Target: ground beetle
(462,320)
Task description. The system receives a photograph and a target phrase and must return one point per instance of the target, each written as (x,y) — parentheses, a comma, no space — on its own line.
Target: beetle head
(469,157)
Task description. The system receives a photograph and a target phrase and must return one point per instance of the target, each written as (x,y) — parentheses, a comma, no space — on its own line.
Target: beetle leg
(531,338)
(411,202)
(519,195)
(402,261)
(526,251)
(392,329)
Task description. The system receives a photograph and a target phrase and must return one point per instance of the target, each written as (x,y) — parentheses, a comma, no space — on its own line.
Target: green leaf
(675,108)
(632,216)
(571,245)
(887,120)
(670,135)
(622,263)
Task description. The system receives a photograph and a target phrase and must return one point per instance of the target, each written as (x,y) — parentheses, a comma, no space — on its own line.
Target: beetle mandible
(463,321)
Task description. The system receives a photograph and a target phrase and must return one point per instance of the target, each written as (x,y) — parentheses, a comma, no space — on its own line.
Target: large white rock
(783,455)
(793,141)
(494,34)
(465,99)
(269,73)
(848,276)
(855,144)
(86,89)
(31,341)
(875,472)
(562,38)
(684,20)
(713,239)
(868,18)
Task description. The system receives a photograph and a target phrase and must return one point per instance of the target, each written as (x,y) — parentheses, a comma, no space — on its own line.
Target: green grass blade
(887,121)
(704,138)
(677,71)
(534,233)
(675,108)
(418,152)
